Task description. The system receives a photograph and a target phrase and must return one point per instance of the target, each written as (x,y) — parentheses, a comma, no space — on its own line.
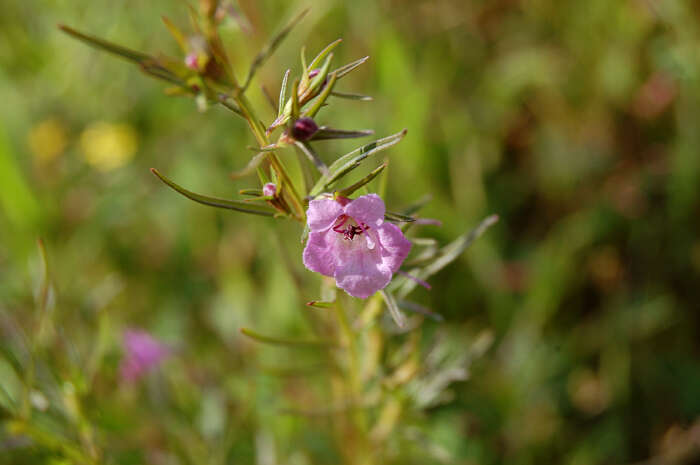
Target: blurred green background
(578,122)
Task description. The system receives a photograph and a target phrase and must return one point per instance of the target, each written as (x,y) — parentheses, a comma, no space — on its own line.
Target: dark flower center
(349,231)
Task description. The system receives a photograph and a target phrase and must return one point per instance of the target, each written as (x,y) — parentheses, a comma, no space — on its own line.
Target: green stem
(262,139)
(355,384)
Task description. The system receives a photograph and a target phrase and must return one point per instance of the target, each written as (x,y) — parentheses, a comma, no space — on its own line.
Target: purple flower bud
(269,189)
(304,128)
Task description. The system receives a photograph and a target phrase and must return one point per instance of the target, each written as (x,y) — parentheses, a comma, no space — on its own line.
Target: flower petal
(319,254)
(368,209)
(394,246)
(322,213)
(360,272)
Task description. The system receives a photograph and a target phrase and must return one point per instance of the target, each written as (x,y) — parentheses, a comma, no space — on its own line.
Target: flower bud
(269,189)
(192,62)
(304,128)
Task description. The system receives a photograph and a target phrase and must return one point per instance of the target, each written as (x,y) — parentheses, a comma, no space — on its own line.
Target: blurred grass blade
(350,96)
(325,133)
(352,160)
(268,50)
(236,205)
(343,70)
(373,174)
(329,48)
(321,99)
(312,156)
(131,55)
(287,342)
(394,309)
(283,93)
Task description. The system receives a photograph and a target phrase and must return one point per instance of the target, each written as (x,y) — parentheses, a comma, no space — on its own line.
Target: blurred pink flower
(350,242)
(142,353)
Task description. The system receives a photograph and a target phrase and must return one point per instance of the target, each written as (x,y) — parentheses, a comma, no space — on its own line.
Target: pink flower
(350,242)
(192,61)
(143,353)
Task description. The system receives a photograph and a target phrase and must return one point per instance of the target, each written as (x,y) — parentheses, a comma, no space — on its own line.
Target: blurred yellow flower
(47,140)
(107,146)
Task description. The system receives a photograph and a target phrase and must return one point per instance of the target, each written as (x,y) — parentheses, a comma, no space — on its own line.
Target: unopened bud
(269,189)
(304,128)
(192,61)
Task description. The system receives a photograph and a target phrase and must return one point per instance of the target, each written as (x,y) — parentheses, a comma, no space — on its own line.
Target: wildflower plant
(381,373)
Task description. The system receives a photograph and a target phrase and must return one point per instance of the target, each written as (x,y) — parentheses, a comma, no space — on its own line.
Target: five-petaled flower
(349,241)
(143,353)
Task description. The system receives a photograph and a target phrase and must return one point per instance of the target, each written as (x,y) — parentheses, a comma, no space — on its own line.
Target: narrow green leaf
(176,33)
(352,160)
(398,217)
(321,99)
(373,174)
(295,100)
(318,80)
(317,61)
(447,255)
(287,342)
(312,156)
(394,310)
(421,310)
(253,192)
(325,133)
(320,304)
(343,70)
(250,167)
(304,70)
(236,205)
(350,96)
(131,55)
(268,50)
(283,93)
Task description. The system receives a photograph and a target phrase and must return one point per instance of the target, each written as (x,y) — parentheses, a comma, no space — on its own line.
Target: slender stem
(355,384)
(262,139)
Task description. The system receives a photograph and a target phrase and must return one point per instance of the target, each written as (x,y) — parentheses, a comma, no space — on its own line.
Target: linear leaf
(320,304)
(322,54)
(350,96)
(131,55)
(447,255)
(283,93)
(312,156)
(352,160)
(268,50)
(394,310)
(295,100)
(321,99)
(176,33)
(398,218)
(343,70)
(287,342)
(236,205)
(325,133)
(373,174)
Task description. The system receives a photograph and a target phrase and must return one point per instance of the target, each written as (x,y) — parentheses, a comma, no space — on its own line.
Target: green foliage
(570,328)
